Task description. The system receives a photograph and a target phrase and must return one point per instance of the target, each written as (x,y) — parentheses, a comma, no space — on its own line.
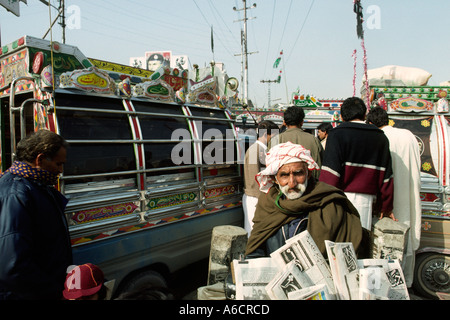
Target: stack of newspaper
(298,271)
(366,279)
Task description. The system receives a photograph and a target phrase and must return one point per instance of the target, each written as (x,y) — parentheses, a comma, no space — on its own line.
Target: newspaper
(290,279)
(381,279)
(344,269)
(252,276)
(298,271)
(302,253)
(366,279)
(318,292)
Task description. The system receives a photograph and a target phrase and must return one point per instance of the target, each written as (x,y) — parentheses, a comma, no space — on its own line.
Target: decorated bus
(153,163)
(424,111)
(316,112)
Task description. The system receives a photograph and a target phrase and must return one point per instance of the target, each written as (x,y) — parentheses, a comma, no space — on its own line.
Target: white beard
(292,195)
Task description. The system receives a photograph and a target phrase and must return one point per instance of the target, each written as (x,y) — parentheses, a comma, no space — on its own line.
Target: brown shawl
(331,217)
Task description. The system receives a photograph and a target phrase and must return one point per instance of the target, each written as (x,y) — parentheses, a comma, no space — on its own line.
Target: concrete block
(389,239)
(227,244)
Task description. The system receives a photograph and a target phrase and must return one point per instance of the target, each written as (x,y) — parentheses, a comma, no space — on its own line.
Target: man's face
(153,65)
(321,134)
(292,179)
(54,165)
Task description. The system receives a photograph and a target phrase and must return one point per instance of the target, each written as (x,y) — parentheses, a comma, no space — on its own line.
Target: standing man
(293,120)
(254,162)
(406,166)
(357,160)
(35,248)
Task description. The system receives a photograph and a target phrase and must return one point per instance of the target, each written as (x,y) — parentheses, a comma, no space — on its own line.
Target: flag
(357,8)
(277,62)
(212,40)
(279,78)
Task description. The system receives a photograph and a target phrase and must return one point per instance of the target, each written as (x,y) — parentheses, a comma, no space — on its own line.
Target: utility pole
(61,16)
(268,90)
(62,23)
(245,53)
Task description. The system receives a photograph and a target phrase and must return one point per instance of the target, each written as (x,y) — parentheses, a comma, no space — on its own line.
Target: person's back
(406,167)
(364,146)
(35,246)
(293,119)
(357,160)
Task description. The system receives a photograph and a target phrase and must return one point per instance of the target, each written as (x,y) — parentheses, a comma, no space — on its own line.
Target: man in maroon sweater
(357,160)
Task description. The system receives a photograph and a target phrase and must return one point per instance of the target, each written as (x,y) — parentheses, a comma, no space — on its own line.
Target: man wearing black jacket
(357,160)
(35,248)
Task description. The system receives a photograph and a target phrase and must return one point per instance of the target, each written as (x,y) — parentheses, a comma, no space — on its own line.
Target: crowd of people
(336,185)
(292,183)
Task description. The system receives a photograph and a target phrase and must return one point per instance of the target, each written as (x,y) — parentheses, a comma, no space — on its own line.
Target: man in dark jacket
(357,160)
(35,248)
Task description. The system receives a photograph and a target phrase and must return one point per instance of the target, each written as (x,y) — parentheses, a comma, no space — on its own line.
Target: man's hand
(388,215)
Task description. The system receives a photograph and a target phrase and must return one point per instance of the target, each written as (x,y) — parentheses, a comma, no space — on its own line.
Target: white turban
(280,155)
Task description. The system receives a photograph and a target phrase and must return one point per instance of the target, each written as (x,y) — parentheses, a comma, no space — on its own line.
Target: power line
(209,24)
(270,36)
(301,29)
(223,21)
(285,24)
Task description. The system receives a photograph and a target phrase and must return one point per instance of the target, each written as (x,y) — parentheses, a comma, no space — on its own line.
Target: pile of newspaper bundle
(298,271)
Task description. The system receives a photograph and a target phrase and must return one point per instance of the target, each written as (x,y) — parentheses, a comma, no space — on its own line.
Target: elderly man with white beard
(293,201)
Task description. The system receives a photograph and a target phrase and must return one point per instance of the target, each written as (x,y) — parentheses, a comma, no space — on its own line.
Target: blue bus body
(148,174)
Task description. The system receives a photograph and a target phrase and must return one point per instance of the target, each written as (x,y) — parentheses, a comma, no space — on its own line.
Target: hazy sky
(317,37)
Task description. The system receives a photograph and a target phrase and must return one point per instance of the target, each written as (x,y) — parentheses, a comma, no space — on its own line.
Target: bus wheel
(144,280)
(432,274)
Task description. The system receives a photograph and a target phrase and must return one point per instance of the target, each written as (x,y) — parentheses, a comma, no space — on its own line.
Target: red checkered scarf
(278,156)
(26,171)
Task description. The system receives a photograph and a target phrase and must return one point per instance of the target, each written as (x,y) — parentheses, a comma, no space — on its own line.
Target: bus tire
(145,279)
(432,274)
